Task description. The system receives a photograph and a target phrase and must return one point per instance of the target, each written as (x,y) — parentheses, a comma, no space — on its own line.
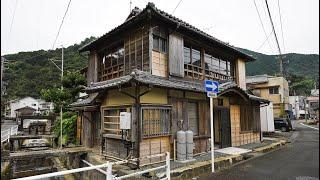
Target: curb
(204,167)
(270,146)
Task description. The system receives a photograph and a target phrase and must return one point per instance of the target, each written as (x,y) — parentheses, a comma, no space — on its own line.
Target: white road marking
(309,126)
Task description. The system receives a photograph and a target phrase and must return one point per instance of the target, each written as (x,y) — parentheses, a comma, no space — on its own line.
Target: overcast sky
(36,22)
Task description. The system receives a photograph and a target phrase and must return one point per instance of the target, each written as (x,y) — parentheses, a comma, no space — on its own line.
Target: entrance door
(225,125)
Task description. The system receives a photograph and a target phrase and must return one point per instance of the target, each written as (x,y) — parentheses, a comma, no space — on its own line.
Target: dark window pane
(163,45)
(156,43)
(274,90)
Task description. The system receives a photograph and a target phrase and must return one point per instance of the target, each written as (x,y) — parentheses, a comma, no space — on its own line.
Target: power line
(14,13)
(54,40)
(61,24)
(12,20)
(275,35)
(176,7)
(264,41)
(281,26)
(264,30)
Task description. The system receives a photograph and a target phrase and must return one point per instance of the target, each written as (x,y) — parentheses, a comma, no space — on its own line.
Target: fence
(5,135)
(108,173)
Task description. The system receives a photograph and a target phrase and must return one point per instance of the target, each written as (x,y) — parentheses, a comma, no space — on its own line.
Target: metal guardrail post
(109,171)
(168,165)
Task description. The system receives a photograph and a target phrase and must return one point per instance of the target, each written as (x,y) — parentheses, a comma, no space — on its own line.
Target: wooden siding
(87,131)
(114,147)
(180,111)
(92,68)
(176,67)
(159,64)
(136,48)
(153,146)
(237,137)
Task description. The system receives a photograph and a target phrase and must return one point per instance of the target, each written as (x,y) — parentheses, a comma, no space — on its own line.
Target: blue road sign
(212,86)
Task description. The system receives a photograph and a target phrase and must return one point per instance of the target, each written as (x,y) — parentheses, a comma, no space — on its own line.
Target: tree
(300,85)
(73,82)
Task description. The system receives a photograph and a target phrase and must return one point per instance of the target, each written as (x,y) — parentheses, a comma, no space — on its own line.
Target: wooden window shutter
(176,65)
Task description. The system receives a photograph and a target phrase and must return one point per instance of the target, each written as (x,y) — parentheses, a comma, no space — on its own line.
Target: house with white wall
(298,104)
(39,105)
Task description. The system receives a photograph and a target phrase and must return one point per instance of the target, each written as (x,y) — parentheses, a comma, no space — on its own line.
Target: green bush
(69,128)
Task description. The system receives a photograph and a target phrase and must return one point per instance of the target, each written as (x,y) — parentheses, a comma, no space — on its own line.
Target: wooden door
(225,129)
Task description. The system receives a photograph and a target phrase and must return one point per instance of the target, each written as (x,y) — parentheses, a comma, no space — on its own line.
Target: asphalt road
(298,160)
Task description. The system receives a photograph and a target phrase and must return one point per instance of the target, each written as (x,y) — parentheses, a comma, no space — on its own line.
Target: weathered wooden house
(154,66)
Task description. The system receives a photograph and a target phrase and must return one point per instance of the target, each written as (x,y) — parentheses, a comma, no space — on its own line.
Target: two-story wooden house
(154,66)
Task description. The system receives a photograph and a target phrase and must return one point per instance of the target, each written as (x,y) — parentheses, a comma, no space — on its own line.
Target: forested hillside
(29,72)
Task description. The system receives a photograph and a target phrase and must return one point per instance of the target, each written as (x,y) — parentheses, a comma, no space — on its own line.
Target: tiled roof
(171,83)
(147,78)
(87,101)
(172,19)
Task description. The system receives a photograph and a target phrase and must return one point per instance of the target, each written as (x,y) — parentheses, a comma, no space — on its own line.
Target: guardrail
(108,173)
(5,135)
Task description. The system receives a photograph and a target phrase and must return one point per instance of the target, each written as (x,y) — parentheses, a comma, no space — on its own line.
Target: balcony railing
(196,72)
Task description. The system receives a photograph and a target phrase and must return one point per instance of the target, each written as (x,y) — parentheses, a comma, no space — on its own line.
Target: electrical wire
(264,30)
(281,26)
(264,41)
(13,16)
(176,7)
(61,24)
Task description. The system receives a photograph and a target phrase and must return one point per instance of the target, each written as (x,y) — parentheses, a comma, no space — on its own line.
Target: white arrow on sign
(213,86)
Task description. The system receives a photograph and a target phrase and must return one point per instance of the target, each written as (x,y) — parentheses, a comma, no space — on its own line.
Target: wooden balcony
(196,72)
(111,72)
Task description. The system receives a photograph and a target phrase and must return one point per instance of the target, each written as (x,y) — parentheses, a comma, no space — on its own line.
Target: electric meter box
(125,120)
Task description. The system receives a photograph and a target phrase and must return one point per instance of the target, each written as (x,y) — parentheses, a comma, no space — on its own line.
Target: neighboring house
(154,66)
(298,104)
(315,92)
(313,106)
(25,111)
(275,89)
(39,105)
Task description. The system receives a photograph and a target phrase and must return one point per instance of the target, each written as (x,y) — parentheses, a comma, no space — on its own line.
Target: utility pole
(278,46)
(61,101)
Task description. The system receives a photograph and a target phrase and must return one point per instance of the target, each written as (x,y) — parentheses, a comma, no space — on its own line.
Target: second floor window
(274,90)
(217,65)
(159,44)
(112,64)
(192,56)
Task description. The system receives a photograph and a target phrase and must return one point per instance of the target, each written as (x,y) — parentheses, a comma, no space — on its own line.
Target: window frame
(274,90)
(160,40)
(164,125)
(117,122)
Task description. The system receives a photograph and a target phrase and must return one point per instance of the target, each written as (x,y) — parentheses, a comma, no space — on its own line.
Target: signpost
(212,89)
